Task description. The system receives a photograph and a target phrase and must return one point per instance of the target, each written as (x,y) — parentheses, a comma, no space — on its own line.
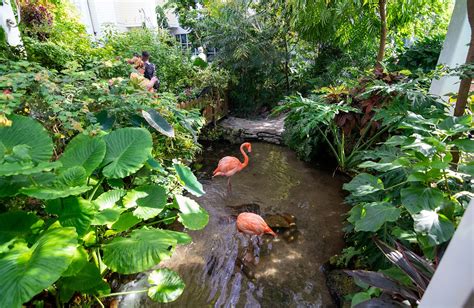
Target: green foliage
(348,121)
(166,285)
(407,281)
(75,100)
(413,187)
(174,68)
(75,238)
(258,48)
(309,122)
(26,271)
(347,23)
(422,55)
(47,54)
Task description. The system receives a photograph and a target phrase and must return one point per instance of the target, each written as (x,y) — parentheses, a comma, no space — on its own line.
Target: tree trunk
(383,32)
(287,66)
(465,85)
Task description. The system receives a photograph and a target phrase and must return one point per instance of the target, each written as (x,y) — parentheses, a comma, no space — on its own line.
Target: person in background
(150,71)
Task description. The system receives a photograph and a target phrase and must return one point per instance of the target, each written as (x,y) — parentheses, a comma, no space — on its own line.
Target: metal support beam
(453,282)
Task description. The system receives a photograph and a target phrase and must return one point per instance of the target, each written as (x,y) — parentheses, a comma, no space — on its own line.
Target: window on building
(211,54)
(183,40)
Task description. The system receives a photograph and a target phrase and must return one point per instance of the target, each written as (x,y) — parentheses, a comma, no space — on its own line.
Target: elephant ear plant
(69,224)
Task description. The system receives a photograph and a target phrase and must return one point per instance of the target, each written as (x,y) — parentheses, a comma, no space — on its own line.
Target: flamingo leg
(229,185)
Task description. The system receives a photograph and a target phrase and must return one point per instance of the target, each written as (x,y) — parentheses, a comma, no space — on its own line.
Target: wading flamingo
(253,224)
(230,165)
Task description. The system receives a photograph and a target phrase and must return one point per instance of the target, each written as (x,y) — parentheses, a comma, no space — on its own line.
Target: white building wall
(121,14)
(173,22)
(83,9)
(9,23)
(454,50)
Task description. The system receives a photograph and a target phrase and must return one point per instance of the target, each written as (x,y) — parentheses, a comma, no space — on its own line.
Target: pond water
(223,268)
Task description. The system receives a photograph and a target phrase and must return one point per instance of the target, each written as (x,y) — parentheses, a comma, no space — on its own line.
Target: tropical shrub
(407,280)
(255,42)
(173,67)
(69,223)
(74,101)
(37,19)
(422,55)
(47,54)
(348,121)
(411,189)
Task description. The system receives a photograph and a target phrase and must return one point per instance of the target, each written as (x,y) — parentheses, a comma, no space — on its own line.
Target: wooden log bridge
(213,105)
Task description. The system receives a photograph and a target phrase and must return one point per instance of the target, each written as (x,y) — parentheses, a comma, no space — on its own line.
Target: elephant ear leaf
(165,285)
(27,271)
(15,224)
(73,212)
(158,122)
(85,151)
(21,133)
(191,215)
(142,250)
(189,180)
(127,151)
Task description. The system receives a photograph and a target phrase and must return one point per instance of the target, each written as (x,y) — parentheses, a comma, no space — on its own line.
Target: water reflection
(223,268)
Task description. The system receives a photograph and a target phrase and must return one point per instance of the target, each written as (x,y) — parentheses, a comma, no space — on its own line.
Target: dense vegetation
(92,195)
(274,48)
(93,166)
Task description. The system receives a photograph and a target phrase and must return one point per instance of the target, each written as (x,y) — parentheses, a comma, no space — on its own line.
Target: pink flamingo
(230,165)
(253,224)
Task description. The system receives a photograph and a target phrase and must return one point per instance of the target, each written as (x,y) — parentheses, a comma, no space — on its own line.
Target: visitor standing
(150,70)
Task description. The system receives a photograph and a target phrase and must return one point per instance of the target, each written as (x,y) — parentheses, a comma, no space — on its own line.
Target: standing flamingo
(253,224)
(230,165)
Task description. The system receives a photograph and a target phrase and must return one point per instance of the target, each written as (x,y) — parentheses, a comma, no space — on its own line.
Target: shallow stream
(223,268)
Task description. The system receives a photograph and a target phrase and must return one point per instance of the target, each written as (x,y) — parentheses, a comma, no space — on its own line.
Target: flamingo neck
(246,158)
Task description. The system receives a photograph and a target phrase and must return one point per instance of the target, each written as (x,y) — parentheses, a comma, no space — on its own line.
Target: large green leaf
(15,224)
(191,215)
(364,184)
(158,122)
(79,259)
(107,216)
(53,192)
(417,198)
(85,151)
(71,181)
(456,125)
(467,168)
(73,212)
(151,205)
(127,151)
(435,226)
(72,177)
(3,150)
(379,166)
(149,201)
(420,146)
(189,180)
(15,168)
(109,199)
(181,237)
(165,285)
(87,281)
(10,186)
(141,251)
(374,215)
(125,222)
(25,130)
(27,271)
(466,145)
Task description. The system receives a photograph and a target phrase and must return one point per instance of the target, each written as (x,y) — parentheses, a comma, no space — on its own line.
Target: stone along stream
(223,268)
